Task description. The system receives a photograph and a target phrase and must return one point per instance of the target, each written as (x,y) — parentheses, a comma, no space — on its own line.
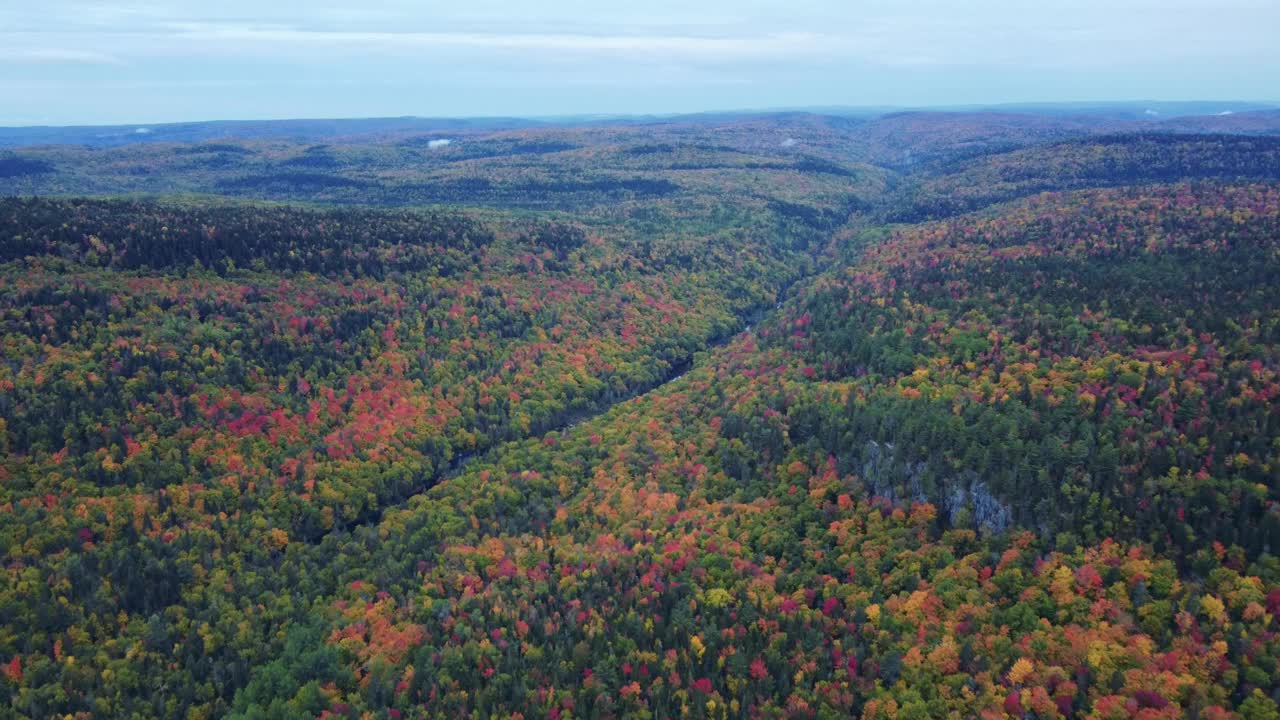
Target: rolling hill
(967,414)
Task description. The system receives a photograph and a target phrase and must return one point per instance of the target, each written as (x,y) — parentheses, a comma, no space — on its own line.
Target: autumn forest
(789,415)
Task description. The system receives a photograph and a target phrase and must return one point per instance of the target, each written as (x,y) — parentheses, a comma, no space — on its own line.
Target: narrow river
(677,371)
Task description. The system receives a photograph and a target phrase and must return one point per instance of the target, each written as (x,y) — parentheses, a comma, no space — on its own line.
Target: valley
(966,414)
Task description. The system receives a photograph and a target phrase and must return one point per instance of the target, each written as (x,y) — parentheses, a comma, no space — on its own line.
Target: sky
(119,62)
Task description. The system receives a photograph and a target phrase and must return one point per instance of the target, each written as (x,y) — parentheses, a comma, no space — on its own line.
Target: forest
(764,416)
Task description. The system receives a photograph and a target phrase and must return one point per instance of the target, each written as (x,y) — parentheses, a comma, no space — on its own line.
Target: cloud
(921,36)
(58,56)
(614,43)
(144,60)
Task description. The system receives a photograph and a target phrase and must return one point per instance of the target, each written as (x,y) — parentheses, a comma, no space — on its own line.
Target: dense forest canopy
(927,415)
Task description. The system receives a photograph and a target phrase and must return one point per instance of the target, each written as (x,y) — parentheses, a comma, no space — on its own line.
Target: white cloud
(710,46)
(923,34)
(58,55)
(334,57)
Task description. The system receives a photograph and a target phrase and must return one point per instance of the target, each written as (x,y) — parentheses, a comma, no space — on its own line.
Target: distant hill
(114,135)
(1200,116)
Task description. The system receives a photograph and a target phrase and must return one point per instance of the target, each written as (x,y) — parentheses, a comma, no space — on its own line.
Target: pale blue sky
(76,62)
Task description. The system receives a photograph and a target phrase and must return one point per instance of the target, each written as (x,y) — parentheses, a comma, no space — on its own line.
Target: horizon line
(815,109)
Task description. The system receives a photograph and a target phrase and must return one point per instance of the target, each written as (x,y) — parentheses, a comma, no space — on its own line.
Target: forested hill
(926,415)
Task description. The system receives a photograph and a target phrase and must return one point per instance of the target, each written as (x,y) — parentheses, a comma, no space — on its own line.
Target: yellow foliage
(717,598)
(278,538)
(873,613)
(946,657)
(699,649)
(914,602)
(1063,584)
(1212,607)
(1022,667)
(1099,657)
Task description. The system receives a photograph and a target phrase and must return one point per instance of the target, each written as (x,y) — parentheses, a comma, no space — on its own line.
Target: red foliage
(831,607)
(13,669)
(1013,704)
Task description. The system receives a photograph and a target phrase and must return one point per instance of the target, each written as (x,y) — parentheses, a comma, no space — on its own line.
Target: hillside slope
(816,521)
(689,418)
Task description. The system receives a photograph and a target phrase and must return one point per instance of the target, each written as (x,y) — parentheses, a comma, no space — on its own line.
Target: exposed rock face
(903,481)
